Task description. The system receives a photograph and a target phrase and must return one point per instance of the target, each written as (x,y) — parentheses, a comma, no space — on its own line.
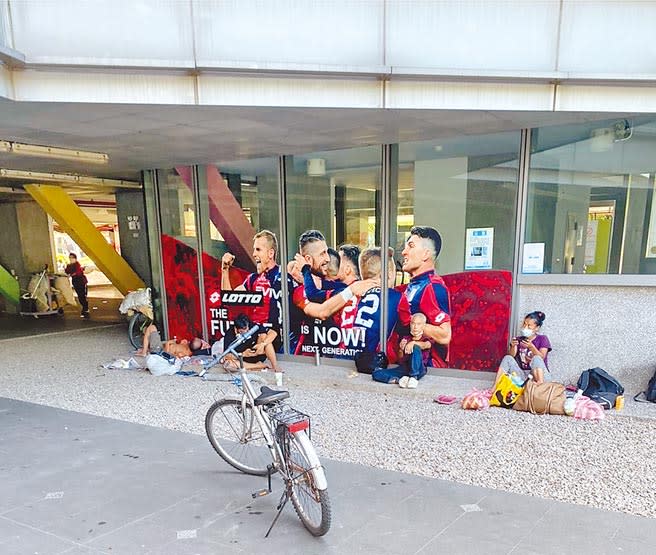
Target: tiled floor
(74,483)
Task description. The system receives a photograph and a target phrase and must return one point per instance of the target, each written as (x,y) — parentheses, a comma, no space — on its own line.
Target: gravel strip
(609,464)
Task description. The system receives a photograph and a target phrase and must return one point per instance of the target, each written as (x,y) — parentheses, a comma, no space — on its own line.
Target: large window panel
(338,194)
(239,199)
(590,193)
(180,252)
(466,188)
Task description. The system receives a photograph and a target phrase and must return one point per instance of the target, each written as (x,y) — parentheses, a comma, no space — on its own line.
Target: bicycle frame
(264,422)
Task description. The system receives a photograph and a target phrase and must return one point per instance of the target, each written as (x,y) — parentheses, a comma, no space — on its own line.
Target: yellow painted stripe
(54,200)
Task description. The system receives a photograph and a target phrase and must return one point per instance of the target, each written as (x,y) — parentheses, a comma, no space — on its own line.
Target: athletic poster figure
(426,292)
(261,299)
(327,327)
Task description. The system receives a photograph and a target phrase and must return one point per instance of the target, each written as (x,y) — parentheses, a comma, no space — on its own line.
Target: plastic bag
(476,399)
(507,392)
(136,300)
(159,366)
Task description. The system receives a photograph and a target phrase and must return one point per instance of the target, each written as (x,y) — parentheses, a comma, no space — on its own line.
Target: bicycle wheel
(312,505)
(137,325)
(236,436)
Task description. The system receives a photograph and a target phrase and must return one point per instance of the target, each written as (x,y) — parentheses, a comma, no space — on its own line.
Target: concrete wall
(417,36)
(609,327)
(5,27)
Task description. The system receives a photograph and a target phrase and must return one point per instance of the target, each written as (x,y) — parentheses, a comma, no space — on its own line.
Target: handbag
(544,398)
(507,392)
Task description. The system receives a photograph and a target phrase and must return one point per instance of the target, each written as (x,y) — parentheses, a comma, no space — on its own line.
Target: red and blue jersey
(269,284)
(336,336)
(368,316)
(427,293)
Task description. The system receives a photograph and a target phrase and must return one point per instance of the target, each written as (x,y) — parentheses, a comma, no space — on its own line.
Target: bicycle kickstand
(281,505)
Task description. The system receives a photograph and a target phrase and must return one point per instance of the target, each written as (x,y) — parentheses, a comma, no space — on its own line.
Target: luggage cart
(32,305)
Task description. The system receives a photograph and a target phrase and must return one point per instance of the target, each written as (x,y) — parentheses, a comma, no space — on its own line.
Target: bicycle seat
(268,395)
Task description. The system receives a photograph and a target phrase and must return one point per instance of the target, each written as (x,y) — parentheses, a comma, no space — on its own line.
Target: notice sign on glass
(478,248)
(533,260)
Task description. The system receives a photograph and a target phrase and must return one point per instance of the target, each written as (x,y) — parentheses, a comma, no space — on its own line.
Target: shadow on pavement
(103,311)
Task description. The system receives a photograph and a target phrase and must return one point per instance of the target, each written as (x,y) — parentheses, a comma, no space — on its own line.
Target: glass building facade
(561,204)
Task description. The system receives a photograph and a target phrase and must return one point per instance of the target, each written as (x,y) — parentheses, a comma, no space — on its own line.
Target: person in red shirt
(79,280)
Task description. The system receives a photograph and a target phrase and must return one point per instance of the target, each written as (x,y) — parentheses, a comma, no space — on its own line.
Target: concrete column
(133,232)
(35,237)
(11,253)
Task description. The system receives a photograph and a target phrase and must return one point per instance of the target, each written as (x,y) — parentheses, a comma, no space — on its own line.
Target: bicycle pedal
(260,493)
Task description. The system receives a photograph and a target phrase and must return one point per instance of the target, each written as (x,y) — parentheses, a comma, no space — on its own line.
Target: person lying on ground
(256,350)
(152,343)
(414,355)
(199,346)
(527,354)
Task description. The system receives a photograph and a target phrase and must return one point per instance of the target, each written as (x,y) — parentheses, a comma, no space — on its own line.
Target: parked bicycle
(262,435)
(139,308)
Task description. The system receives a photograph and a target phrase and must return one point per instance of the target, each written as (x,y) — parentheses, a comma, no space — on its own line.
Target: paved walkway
(103,306)
(80,484)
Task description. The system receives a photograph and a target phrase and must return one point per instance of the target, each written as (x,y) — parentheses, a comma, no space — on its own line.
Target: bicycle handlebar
(238,341)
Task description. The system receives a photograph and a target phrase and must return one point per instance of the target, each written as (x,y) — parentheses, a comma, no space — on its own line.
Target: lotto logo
(241,298)
(214,297)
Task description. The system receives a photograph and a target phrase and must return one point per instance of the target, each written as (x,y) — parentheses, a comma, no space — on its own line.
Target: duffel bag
(544,398)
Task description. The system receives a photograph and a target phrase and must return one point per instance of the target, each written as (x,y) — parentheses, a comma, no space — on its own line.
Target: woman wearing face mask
(527,354)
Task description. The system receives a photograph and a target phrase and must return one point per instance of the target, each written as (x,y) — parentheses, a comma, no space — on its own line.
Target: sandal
(445,399)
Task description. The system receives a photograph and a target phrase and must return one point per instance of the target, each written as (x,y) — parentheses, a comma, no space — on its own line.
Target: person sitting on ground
(527,354)
(414,355)
(255,350)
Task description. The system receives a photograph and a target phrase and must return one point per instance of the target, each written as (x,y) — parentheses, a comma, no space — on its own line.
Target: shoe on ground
(403,382)
(412,383)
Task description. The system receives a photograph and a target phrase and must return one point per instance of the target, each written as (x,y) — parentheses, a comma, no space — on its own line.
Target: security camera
(622,130)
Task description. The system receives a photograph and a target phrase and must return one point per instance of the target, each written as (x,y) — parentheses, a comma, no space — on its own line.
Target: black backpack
(366,362)
(600,386)
(650,393)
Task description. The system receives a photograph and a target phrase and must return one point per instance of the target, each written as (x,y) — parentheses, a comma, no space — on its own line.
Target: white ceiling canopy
(138,137)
